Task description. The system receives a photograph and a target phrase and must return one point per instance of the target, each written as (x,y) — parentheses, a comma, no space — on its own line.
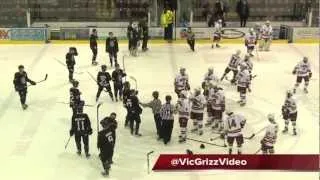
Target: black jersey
(93,41)
(70,61)
(103,79)
(117,76)
(106,139)
(80,124)
(74,96)
(132,105)
(130,32)
(112,44)
(20,80)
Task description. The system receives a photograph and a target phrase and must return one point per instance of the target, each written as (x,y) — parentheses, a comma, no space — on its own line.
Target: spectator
(243,12)
(219,11)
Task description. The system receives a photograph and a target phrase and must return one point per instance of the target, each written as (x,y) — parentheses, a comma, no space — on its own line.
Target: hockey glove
(294,72)
(71,132)
(33,83)
(310,74)
(90,132)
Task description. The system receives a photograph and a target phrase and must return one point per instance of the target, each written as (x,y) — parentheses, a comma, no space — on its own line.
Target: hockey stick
(98,107)
(148,159)
(135,81)
(45,78)
(215,138)
(254,134)
(88,105)
(60,62)
(65,147)
(218,145)
(258,151)
(249,137)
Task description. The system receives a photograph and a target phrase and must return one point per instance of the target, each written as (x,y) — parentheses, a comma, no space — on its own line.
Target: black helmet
(103,67)
(75,83)
(20,67)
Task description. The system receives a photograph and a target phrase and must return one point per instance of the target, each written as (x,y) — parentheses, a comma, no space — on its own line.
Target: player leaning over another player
(303,71)
(250,41)
(269,139)
(233,126)
(289,112)
(217,34)
(265,36)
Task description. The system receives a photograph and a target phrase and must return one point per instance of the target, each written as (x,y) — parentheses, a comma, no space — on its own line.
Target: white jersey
(234,62)
(183,108)
(233,125)
(251,39)
(249,64)
(217,29)
(243,78)
(270,137)
(181,81)
(218,101)
(291,105)
(198,103)
(210,96)
(266,32)
(302,69)
(210,78)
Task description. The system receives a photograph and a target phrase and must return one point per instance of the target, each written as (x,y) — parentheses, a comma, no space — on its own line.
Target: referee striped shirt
(167,111)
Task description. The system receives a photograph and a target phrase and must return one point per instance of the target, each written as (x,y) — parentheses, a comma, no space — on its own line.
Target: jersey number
(232,124)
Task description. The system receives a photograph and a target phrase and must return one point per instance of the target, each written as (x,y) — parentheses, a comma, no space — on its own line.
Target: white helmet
(271,117)
(267,22)
(251,30)
(220,20)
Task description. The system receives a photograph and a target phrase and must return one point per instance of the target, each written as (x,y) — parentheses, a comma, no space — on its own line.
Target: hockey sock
(230,149)
(195,124)
(294,125)
(243,97)
(239,150)
(183,132)
(200,125)
(286,123)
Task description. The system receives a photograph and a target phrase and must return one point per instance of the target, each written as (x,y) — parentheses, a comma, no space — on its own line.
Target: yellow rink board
(155,41)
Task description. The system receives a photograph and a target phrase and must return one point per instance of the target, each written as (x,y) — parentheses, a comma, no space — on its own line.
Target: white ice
(32,141)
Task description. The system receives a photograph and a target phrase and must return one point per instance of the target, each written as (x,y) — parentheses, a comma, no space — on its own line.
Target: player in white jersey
(233,66)
(269,139)
(250,41)
(303,71)
(243,83)
(233,126)
(181,81)
(218,106)
(209,77)
(197,108)
(248,63)
(266,32)
(183,109)
(217,34)
(209,94)
(289,112)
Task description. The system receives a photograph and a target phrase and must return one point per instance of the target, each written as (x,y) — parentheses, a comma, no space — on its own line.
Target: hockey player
(134,111)
(81,129)
(197,108)
(135,41)
(111,121)
(266,37)
(181,82)
(191,38)
(106,141)
(20,85)
(75,98)
(183,108)
(130,35)
(217,34)
(250,41)
(112,48)
(248,63)
(94,46)
(70,61)
(155,105)
(303,71)
(166,113)
(243,83)
(289,112)
(233,126)
(269,139)
(117,76)
(233,66)
(145,36)
(209,94)
(209,77)
(126,94)
(218,106)
(103,81)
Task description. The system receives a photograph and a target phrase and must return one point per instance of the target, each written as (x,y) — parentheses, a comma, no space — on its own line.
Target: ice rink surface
(32,141)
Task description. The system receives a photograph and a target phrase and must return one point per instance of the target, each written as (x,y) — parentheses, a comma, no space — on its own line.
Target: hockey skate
(194,130)
(138,134)
(24,106)
(305,90)
(208,124)
(79,153)
(294,132)
(218,46)
(242,103)
(94,63)
(88,155)
(294,90)
(105,173)
(200,133)
(182,140)
(285,130)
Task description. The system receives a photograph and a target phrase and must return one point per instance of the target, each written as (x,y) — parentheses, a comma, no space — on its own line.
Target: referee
(166,113)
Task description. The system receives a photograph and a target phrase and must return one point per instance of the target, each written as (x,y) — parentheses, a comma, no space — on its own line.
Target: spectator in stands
(219,11)
(243,12)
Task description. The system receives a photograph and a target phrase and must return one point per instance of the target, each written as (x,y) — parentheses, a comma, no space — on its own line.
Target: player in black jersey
(126,94)
(134,111)
(81,129)
(103,81)
(94,46)
(112,48)
(130,35)
(20,85)
(75,96)
(70,61)
(117,76)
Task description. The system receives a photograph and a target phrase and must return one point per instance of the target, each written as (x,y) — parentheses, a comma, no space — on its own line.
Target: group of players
(189,105)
